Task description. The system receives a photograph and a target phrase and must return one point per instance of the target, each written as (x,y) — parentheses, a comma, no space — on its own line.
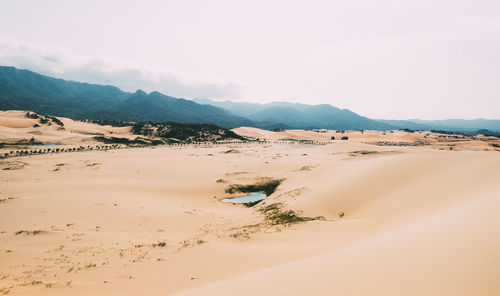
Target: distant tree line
(190,132)
(115,123)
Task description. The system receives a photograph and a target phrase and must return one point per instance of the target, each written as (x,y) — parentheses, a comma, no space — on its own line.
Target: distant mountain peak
(140,92)
(156,93)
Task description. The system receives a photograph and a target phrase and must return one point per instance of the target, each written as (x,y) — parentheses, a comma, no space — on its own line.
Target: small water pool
(44,145)
(251,197)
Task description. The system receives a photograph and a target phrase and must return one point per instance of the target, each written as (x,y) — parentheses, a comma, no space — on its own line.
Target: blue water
(251,197)
(44,145)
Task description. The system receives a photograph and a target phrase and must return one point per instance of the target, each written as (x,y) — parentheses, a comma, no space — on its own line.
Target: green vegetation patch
(44,119)
(187,132)
(267,187)
(275,215)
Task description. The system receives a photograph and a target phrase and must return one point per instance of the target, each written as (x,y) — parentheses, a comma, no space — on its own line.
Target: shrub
(56,121)
(275,216)
(31,115)
(407,130)
(267,187)
(160,244)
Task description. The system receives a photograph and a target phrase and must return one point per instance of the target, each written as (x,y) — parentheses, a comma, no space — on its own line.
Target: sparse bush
(31,115)
(56,121)
(267,187)
(275,216)
(160,244)
(27,232)
(252,203)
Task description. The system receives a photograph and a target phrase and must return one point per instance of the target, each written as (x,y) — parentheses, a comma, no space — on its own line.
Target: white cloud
(386,59)
(58,62)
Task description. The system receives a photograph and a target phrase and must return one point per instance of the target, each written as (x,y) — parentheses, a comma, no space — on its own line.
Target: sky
(391,59)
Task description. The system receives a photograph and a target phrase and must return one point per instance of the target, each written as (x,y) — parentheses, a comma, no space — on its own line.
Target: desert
(281,148)
(382,213)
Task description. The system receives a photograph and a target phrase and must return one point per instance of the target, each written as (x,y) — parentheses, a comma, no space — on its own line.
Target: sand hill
(379,214)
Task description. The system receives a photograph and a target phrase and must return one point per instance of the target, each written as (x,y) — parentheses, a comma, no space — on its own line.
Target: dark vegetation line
(38,151)
(123,143)
(114,123)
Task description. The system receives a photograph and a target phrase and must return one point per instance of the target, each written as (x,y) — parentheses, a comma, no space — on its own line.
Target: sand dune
(452,252)
(14,126)
(416,220)
(428,231)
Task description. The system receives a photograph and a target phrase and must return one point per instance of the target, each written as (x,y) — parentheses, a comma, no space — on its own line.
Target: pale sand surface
(418,220)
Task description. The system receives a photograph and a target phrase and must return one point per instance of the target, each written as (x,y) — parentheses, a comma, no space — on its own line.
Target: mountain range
(326,116)
(463,125)
(299,116)
(27,90)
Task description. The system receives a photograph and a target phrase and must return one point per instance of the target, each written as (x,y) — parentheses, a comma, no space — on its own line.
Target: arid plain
(382,213)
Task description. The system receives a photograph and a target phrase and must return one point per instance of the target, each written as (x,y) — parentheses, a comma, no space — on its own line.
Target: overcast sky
(394,59)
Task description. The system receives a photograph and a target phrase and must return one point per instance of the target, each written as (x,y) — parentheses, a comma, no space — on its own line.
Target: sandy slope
(452,252)
(434,231)
(15,126)
(418,220)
